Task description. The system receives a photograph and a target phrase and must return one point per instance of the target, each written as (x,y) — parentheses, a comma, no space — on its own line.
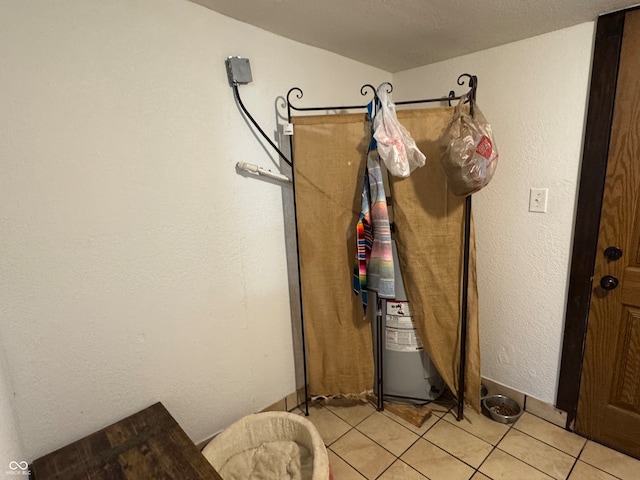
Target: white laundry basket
(270,445)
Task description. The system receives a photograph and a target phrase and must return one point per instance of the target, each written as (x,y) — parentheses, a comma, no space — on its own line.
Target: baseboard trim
(530,404)
(288,403)
(285,404)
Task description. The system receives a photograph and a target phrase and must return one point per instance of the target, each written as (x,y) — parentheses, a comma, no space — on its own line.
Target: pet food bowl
(501,408)
(484,391)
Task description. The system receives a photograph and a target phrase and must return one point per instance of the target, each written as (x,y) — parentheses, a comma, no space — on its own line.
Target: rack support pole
(464,317)
(380,355)
(295,219)
(464,308)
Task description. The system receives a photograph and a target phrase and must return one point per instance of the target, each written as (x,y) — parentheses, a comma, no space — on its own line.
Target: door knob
(608,282)
(612,253)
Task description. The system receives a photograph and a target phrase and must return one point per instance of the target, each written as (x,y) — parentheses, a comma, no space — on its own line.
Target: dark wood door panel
(609,400)
(625,386)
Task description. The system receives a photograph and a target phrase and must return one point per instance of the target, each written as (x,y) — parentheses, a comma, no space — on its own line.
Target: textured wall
(11,449)
(534,93)
(137,265)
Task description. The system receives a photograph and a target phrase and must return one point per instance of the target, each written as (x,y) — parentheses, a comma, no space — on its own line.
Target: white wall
(534,93)
(137,265)
(11,448)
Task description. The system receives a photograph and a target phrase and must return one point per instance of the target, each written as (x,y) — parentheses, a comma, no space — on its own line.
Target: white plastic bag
(396,148)
(469,155)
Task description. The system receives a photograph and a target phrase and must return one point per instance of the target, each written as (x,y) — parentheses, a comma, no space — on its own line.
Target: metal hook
(451,96)
(376,100)
(368,85)
(470,79)
(472,82)
(389,87)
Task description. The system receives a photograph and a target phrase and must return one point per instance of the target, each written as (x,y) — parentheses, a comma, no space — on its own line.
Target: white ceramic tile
(363,454)
(480,476)
(459,443)
(584,471)
(436,464)
(329,425)
(387,433)
(352,412)
(502,466)
(400,471)
(342,470)
(611,461)
(477,424)
(545,458)
(551,434)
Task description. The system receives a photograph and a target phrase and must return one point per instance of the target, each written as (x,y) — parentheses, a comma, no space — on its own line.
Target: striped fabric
(373,268)
(380,272)
(365,242)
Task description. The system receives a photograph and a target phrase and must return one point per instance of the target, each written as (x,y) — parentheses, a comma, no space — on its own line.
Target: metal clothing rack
(472,82)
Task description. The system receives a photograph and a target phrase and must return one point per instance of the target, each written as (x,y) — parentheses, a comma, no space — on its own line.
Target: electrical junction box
(238,70)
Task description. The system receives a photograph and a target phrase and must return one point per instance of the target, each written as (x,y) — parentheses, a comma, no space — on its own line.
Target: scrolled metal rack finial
(298,91)
(469,79)
(368,86)
(387,84)
(451,96)
(472,82)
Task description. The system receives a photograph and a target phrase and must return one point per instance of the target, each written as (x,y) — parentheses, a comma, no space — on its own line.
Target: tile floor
(365,444)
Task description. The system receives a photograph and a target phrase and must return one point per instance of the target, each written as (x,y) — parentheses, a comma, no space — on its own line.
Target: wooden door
(609,399)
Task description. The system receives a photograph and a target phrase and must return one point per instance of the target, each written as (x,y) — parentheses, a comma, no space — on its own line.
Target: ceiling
(397,35)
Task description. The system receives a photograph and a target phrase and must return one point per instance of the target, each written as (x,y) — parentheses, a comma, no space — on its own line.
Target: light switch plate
(538,200)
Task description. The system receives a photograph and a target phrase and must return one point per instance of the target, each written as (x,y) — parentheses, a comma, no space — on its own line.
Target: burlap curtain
(330,155)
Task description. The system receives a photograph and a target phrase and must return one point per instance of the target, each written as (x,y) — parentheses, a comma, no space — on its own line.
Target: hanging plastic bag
(396,148)
(469,154)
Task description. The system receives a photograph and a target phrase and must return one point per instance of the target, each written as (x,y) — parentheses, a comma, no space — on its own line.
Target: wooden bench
(149,445)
